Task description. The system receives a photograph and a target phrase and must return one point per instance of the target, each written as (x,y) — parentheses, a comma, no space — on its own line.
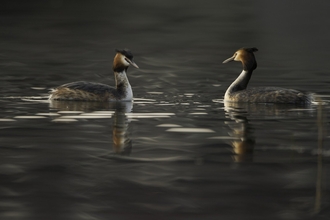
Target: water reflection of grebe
(122,144)
(242,113)
(238,92)
(242,133)
(88,91)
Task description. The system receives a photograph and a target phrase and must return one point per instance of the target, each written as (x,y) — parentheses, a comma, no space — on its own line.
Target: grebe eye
(128,60)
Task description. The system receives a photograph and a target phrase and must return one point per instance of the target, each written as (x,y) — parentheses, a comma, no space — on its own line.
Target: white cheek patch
(125,61)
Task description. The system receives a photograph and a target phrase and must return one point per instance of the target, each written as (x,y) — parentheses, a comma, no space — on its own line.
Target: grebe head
(122,60)
(246,56)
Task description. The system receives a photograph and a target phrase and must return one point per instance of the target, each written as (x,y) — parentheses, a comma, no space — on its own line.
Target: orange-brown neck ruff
(246,56)
(118,65)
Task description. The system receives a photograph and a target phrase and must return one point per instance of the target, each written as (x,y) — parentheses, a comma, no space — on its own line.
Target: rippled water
(178,151)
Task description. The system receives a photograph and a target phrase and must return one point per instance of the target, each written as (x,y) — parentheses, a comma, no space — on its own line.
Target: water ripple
(191,130)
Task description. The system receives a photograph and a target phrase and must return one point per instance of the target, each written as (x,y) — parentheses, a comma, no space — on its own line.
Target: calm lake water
(178,151)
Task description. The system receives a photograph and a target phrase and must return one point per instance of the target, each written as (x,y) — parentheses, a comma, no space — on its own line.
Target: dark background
(56,164)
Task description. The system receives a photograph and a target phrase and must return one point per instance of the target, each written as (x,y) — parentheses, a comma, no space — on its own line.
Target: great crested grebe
(89,91)
(238,92)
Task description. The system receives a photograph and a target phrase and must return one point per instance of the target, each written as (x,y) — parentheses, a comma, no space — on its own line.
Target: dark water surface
(178,151)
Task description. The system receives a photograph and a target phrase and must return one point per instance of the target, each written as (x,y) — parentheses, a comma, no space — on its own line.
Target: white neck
(240,83)
(123,86)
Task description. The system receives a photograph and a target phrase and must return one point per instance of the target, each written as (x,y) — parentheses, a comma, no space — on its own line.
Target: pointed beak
(134,64)
(229,59)
(131,62)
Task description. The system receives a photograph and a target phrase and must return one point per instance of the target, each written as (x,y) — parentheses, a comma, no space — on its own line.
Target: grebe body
(89,91)
(238,91)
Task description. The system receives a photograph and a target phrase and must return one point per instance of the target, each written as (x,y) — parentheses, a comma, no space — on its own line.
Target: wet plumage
(89,91)
(238,91)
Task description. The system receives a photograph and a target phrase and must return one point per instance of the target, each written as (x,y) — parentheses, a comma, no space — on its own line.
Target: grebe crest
(238,92)
(89,91)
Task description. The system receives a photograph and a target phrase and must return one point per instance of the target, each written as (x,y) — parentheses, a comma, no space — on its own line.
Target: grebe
(89,91)
(237,91)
